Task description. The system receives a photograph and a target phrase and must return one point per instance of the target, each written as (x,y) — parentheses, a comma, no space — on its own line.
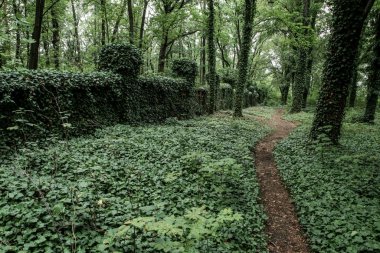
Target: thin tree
(131,23)
(211,55)
(77,48)
(347,24)
(36,35)
(373,83)
(249,10)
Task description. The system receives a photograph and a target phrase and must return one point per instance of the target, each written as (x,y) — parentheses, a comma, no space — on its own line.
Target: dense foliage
(37,103)
(185,68)
(178,187)
(335,189)
(123,59)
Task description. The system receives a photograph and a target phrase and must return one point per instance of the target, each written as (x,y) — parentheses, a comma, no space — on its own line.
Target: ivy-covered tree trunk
(36,36)
(249,11)
(347,24)
(373,89)
(298,89)
(55,35)
(211,56)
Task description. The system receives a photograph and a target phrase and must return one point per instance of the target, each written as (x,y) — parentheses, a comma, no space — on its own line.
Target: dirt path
(283,229)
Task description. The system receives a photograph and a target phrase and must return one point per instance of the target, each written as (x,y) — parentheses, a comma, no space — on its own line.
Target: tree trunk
(17,14)
(373,89)
(118,20)
(143,16)
(36,36)
(211,56)
(249,10)
(353,85)
(103,21)
(162,54)
(77,49)
(347,24)
(27,35)
(301,67)
(55,39)
(130,20)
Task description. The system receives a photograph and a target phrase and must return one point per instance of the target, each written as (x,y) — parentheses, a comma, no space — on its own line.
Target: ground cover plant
(185,186)
(335,189)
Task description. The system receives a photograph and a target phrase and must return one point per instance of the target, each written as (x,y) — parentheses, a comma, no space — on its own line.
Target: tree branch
(51,6)
(368,7)
(182,36)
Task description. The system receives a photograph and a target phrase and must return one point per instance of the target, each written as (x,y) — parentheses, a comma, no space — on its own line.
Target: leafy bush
(185,68)
(36,103)
(336,189)
(123,59)
(76,195)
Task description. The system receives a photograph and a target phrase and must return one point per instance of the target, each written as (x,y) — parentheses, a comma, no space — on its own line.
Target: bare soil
(283,229)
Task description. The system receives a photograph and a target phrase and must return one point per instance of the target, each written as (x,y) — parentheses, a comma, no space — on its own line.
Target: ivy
(183,181)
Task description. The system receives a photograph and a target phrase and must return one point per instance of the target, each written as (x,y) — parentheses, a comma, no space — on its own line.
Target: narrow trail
(283,229)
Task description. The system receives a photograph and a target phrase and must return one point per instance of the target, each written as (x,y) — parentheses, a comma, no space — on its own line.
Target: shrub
(36,103)
(124,59)
(185,68)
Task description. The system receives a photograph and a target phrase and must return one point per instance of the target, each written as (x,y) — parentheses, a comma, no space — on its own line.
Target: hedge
(34,104)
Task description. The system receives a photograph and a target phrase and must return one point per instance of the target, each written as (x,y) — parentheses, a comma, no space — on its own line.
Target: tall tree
(373,82)
(211,56)
(249,10)
(142,25)
(16,11)
(299,85)
(77,47)
(118,20)
(55,37)
(131,22)
(347,24)
(36,36)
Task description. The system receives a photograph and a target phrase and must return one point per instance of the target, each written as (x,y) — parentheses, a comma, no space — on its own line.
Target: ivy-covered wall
(34,104)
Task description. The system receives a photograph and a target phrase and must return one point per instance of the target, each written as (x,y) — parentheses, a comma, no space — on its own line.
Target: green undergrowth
(336,189)
(185,186)
(260,111)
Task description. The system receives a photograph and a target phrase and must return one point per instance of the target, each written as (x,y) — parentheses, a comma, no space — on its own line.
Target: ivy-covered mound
(185,186)
(36,103)
(336,190)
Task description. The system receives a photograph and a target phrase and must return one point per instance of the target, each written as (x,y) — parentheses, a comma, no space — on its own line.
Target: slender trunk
(17,14)
(211,56)
(130,20)
(103,22)
(143,16)
(55,39)
(77,48)
(27,35)
(249,10)
(118,20)
(353,88)
(36,36)
(46,46)
(373,89)
(347,24)
(203,59)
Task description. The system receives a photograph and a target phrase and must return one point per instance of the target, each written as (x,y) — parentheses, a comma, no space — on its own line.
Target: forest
(191,126)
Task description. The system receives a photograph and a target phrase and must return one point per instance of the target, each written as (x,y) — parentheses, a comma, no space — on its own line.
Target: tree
(300,82)
(249,10)
(346,27)
(373,83)
(36,36)
(211,56)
